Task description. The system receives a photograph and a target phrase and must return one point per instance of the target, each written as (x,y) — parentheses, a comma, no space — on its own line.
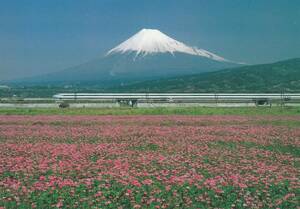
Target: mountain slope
(149,54)
(275,77)
(128,67)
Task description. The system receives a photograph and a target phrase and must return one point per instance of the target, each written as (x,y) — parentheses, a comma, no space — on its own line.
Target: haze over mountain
(149,54)
(275,77)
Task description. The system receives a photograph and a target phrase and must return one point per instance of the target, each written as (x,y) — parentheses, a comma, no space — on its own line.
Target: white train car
(134,98)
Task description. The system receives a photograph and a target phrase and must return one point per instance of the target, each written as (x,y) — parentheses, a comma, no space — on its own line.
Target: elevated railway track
(133,99)
(102,100)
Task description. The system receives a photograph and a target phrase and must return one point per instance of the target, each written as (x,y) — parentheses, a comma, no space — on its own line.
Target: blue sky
(38,37)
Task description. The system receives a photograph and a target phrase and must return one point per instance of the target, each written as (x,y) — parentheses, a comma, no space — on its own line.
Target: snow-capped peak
(148,41)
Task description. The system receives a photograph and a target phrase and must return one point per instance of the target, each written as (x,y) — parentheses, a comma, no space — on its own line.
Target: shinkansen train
(260,98)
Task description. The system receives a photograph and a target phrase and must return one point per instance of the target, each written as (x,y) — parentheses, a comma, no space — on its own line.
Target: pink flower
(42,178)
(241,185)
(136,183)
(59,204)
(98,194)
(147,182)
(188,145)
(288,196)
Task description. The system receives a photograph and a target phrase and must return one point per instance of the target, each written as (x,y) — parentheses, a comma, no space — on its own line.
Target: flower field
(149,161)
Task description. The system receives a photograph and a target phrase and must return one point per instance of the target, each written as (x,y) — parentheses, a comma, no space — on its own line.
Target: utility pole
(216,98)
(282,98)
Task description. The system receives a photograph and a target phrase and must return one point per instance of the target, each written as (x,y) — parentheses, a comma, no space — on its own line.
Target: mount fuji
(149,54)
(151,41)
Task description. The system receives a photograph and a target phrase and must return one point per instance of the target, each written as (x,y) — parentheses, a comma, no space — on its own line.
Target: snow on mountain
(148,41)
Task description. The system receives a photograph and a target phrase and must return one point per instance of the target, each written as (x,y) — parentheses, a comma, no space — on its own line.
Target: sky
(39,37)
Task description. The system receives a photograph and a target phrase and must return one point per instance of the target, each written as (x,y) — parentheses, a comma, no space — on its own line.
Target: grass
(285,123)
(155,111)
(147,147)
(277,147)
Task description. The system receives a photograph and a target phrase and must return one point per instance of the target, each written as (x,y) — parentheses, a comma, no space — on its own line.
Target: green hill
(275,77)
(267,78)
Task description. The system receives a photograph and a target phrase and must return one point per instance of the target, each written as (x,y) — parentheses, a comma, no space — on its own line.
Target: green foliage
(225,145)
(64,105)
(114,195)
(265,78)
(276,146)
(155,111)
(147,147)
(94,158)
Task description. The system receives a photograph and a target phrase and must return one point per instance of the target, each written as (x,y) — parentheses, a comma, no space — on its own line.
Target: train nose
(57,96)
